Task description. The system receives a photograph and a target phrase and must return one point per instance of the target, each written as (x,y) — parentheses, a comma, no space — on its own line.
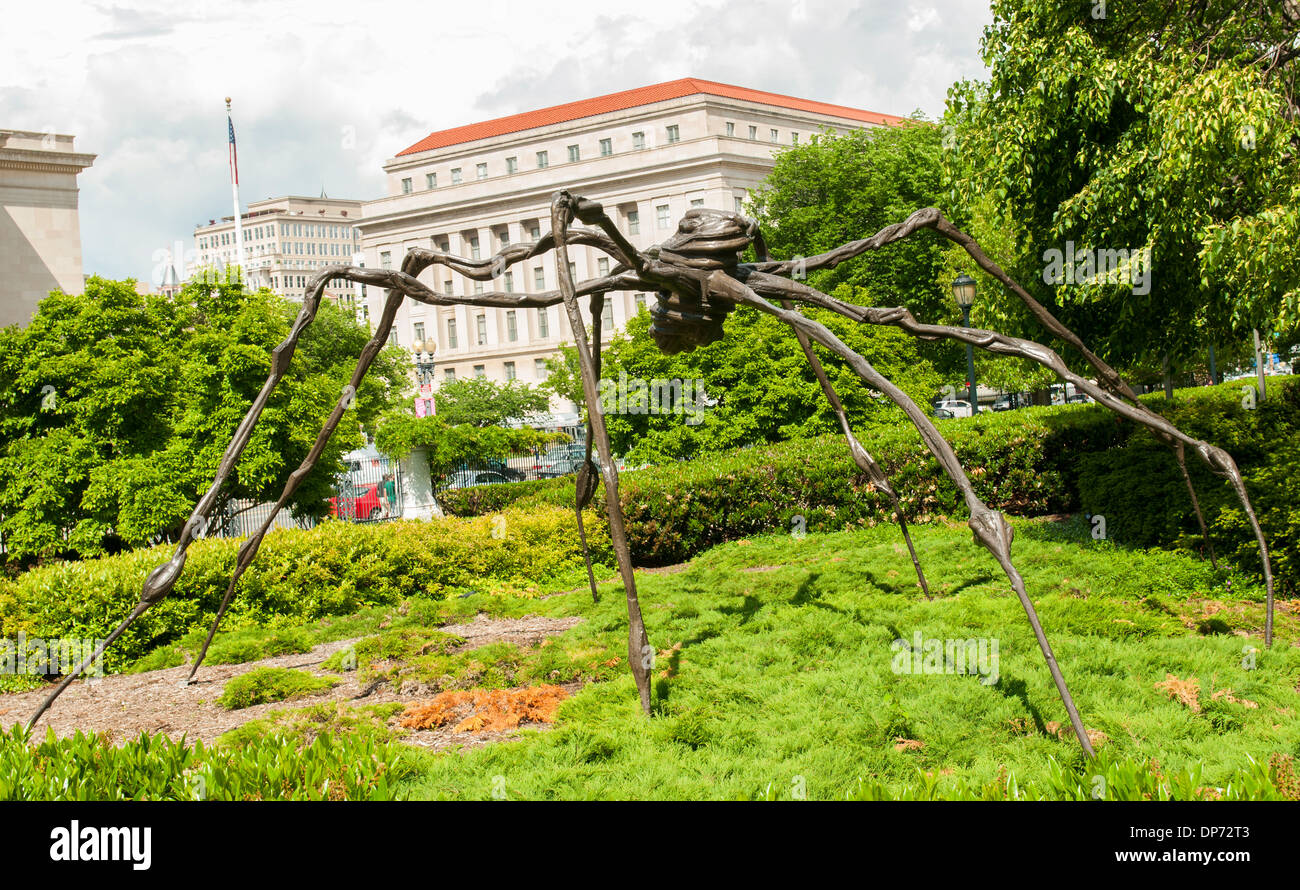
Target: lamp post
(424,364)
(963,291)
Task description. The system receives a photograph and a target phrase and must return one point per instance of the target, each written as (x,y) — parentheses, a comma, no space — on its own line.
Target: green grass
(776,679)
(776,674)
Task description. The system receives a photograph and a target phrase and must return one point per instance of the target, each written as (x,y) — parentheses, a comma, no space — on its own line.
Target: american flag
(234,157)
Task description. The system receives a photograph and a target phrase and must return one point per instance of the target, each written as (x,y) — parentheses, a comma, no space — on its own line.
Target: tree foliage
(752,387)
(1163,127)
(478,401)
(116,407)
(452,446)
(840,188)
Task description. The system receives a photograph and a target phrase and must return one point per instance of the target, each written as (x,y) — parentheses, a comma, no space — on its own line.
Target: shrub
(299,576)
(1027,462)
(268,684)
(90,767)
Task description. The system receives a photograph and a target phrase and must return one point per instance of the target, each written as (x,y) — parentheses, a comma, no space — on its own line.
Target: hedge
(299,576)
(1027,462)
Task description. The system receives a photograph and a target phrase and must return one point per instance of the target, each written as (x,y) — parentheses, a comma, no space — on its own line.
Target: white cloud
(142,86)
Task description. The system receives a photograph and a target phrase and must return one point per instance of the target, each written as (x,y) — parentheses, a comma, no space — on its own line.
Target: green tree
(1164,129)
(754,386)
(840,188)
(452,446)
(478,401)
(116,407)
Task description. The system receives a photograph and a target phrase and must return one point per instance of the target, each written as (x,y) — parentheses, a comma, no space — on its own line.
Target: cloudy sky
(325,92)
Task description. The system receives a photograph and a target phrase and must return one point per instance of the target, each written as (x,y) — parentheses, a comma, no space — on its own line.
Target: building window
(535,233)
(480,170)
(539,278)
(512,164)
(385,260)
(509,282)
(539,368)
(473,247)
(478,287)
(753,132)
(697,202)
(449,375)
(634,222)
(739,202)
(510,370)
(480,324)
(661,215)
(505,237)
(480,372)
(638,141)
(731,129)
(406,186)
(573,271)
(512,326)
(446,287)
(573,153)
(607,316)
(673,134)
(451,334)
(543,325)
(542,159)
(417,331)
(776,135)
(455,176)
(606,147)
(392,338)
(602,266)
(640,301)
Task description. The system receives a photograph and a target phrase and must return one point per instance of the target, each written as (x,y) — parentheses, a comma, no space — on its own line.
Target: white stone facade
(40,230)
(474,189)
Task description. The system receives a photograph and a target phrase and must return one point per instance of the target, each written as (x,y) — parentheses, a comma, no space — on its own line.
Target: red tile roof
(673,89)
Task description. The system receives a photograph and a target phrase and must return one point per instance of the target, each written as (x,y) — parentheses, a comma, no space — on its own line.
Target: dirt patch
(124,705)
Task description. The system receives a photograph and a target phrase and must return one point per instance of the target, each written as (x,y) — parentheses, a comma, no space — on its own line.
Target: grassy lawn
(778,676)
(775,678)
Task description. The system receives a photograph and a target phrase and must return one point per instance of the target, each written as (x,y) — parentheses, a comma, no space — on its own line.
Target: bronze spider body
(699,279)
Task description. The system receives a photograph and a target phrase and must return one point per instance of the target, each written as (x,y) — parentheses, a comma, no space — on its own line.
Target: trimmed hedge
(298,576)
(1027,462)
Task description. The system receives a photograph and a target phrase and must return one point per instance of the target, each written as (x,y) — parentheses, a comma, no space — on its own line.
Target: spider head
(709,239)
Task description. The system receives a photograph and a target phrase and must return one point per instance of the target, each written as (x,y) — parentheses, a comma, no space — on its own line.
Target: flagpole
(234,191)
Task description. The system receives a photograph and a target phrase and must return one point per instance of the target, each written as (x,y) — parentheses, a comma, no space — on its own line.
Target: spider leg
(861,457)
(248,550)
(639,652)
(1107,377)
(1219,460)
(162,579)
(989,526)
(587,478)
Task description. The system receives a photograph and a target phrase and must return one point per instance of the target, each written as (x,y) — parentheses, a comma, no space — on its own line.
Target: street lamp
(424,364)
(963,291)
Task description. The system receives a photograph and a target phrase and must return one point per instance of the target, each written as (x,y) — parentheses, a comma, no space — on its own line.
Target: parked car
(472,478)
(943,414)
(562,460)
(957,407)
(500,466)
(363,505)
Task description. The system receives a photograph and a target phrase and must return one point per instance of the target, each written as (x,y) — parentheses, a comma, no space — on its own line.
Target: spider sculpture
(699,278)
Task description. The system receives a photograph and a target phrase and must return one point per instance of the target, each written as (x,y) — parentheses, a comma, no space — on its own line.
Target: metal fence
(369,491)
